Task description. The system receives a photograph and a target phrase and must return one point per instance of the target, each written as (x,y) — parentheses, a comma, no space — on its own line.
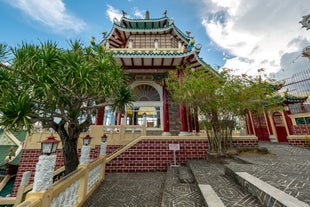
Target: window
(302,120)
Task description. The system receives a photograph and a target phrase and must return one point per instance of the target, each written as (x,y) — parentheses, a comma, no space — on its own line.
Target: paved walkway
(287,169)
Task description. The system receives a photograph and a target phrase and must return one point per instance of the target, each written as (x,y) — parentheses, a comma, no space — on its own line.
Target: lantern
(49,145)
(86,140)
(104,138)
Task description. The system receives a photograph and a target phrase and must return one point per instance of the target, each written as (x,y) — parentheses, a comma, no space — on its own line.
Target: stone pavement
(288,169)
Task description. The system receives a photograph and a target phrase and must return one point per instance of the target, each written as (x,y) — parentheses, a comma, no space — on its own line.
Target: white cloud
(256,33)
(140,14)
(113,13)
(52,14)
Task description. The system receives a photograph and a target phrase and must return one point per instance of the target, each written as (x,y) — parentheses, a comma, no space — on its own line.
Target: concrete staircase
(203,183)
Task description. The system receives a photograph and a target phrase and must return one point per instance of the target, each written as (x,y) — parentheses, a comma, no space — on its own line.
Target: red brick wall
(298,142)
(154,155)
(245,143)
(301,130)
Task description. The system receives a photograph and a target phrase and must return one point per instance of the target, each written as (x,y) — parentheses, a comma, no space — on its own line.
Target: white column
(85,152)
(43,177)
(103,148)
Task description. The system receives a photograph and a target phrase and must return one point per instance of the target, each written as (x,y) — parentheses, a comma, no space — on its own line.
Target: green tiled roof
(8,188)
(144,23)
(20,135)
(295,99)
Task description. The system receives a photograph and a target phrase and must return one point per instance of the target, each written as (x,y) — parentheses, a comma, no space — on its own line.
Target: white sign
(174,147)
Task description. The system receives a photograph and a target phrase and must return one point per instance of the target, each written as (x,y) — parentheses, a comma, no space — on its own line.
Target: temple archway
(148,104)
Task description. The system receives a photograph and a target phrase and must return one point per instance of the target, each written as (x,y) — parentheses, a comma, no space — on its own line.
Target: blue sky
(239,34)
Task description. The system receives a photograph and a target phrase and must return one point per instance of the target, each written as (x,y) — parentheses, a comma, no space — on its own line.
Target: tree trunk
(69,146)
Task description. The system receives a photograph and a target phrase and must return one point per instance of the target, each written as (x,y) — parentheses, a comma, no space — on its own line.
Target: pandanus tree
(222,99)
(58,88)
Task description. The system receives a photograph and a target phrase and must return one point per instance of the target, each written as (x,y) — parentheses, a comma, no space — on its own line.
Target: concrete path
(288,169)
(129,190)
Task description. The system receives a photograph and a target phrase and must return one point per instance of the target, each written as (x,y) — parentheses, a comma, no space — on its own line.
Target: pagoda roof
(139,59)
(123,28)
(144,23)
(291,99)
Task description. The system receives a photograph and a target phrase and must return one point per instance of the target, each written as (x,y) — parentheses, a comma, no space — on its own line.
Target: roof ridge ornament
(305,22)
(124,13)
(165,13)
(115,20)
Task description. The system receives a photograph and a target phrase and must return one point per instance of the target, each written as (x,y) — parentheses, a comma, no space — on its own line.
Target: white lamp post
(43,177)
(103,147)
(49,145)
(85,151)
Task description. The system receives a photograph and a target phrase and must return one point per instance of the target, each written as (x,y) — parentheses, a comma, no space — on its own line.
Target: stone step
(185,175)
(177,193)
(266,193)
(228,191)
(210,196)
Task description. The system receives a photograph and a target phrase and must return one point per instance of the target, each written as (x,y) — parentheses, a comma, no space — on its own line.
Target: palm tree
(58,88)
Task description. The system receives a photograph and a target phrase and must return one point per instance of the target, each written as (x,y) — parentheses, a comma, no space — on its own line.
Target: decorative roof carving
(305,22)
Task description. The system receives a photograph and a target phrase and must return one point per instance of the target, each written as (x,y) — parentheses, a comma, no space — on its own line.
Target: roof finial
(165,13)
(147,14)
(104,34)
(124,13)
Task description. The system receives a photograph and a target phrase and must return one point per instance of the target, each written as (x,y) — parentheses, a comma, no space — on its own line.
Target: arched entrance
(279,124)
(148,104)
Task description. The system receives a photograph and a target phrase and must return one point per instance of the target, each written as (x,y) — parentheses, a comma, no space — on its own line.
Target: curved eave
(136,23)
(119,35)
(153,60)
(289,99)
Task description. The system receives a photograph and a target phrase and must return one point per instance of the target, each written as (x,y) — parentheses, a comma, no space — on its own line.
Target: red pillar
(196,120)
(288,121)
(268,123)
(100,116)
(189,120)
(182,110)
(249,123)
(183,119)
(119,117)
(166,112)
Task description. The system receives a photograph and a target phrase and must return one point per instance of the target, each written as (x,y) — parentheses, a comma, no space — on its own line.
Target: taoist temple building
(147,49)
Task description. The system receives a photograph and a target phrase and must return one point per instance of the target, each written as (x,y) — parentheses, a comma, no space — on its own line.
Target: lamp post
(103,147)
(49,145)
(86,140)
(85,151)
(43,177)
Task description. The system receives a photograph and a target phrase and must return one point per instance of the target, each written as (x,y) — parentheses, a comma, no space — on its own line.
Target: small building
(292,124)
